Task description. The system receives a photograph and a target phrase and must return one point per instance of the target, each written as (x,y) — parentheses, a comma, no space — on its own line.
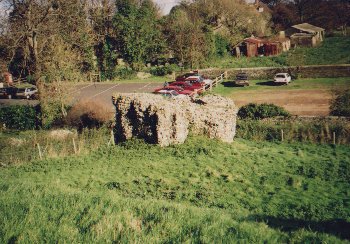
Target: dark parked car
(8,92)
(242,79)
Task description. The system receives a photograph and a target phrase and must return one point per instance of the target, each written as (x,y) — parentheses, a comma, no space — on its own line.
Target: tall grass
(19,147)
(319,130)
(202,191)
(22,147)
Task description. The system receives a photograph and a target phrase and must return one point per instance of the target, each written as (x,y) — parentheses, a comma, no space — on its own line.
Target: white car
(27,92)
(282,78)
(199,79)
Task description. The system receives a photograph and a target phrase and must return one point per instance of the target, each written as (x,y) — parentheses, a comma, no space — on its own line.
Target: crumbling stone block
(167,121)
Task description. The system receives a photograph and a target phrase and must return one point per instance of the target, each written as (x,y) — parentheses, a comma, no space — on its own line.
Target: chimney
(282,34)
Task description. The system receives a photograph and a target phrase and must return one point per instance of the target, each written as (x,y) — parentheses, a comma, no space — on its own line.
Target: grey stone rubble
(167,121)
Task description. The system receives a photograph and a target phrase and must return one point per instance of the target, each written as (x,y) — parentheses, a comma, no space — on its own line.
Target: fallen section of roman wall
(167,121)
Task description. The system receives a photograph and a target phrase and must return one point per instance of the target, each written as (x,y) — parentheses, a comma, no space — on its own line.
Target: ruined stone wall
(166,121)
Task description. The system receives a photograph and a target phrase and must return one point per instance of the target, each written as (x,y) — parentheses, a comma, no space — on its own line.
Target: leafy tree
(139,38)
(186,38)
(233,19)
(33,28)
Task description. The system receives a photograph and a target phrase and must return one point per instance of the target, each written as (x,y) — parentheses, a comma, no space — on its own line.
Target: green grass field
(203,191)
(226,88)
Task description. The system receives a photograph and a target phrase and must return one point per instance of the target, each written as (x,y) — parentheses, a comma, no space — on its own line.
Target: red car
(184,76)
(178,89)
(188,86)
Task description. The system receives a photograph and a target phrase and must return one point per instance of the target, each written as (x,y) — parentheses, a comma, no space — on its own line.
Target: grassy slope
(226,88)
(334,50)
(202,191)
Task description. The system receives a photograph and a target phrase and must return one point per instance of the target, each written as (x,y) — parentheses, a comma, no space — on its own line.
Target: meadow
(203,191)
(227,88)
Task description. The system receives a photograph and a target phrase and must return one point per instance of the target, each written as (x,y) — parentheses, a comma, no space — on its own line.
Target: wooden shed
(306,35)
(303,39)
(254,46)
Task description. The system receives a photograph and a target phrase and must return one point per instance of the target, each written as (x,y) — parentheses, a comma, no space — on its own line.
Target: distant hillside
(334,50)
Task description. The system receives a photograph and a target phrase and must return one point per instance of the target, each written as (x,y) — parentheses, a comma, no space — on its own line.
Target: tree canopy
(72,40)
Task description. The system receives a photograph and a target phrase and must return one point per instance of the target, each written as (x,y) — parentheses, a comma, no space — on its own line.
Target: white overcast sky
(166,5)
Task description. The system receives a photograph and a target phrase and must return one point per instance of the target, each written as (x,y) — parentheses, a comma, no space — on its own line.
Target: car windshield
(21,89)
(280,76)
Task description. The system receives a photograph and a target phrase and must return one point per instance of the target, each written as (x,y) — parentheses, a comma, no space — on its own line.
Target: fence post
(225,74)
(40,153)
(333,138)
(282,135)
(74,146)
(111,140)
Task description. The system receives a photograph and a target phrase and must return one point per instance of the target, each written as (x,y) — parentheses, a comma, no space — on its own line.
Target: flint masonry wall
(165,121)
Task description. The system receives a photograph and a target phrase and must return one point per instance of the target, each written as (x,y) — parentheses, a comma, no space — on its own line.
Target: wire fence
(43,145)
(39,146)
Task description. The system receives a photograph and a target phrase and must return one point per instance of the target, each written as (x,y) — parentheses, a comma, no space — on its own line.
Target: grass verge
(226,88)
(201,191)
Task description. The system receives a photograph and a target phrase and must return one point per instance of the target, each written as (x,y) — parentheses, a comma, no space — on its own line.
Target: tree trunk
(33,54)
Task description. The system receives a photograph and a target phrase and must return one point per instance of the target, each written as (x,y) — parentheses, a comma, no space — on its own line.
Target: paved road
(307,102)
(103,92)
(100,92)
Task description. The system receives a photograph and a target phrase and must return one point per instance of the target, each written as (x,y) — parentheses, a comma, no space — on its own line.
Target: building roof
(302,35)
(308,28)
(254,40)
(264,6)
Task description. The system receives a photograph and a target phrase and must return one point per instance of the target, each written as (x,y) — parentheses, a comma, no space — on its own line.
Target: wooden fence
(216,81)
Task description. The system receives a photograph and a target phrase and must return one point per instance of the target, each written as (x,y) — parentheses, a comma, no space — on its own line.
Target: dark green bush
(222,46)
(125,73)
(261,111)
(340,105)
(162,70)
(20,117)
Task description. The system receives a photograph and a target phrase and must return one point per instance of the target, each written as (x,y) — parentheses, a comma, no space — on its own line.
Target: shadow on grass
(268,83)
(337,227)
(230,84)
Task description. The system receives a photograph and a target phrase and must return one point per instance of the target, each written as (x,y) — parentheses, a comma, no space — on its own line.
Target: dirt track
(298,102)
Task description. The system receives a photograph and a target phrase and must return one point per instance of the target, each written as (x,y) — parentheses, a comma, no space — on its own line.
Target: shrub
(125,73)
(222,46)
(340,105)
(88,114)
(20,117)
(161,70)
(261,111)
